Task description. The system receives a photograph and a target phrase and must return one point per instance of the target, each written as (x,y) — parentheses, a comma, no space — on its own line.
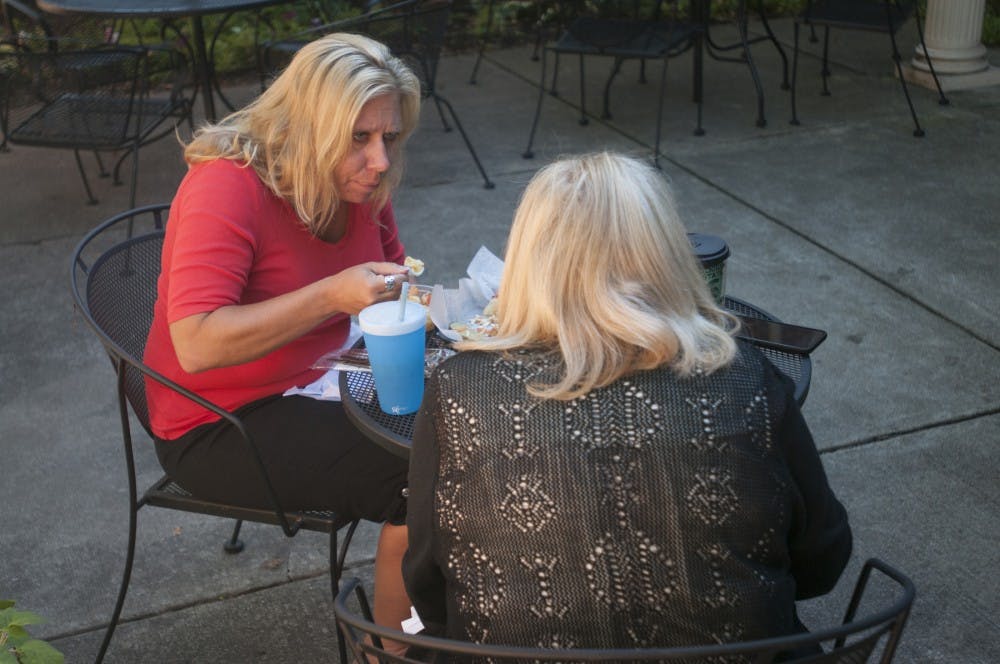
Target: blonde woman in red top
(280,231)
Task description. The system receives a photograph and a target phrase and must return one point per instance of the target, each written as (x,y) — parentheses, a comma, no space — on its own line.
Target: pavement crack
(878,438)
(215,599)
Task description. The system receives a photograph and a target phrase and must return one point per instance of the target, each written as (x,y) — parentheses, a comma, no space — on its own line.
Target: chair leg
(101,170)
(555,74)
(606,113)
(335,589)
(454,117)
(795,71)
(897,58)
(741,23)
(583,97)
(942,100)
(122,590)
(826,60)
(444,121)
(234,544)
(83,175)
(482,42)
(117,180)
(777,44)
(698,81)
(337,558)
(528,153)
(659,113)
(135,175)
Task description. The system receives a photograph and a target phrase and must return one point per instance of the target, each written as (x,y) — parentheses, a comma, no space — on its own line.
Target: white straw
(403,297)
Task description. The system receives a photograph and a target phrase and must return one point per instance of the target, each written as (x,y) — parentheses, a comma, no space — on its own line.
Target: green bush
(514,21)
(16,645)
(991,25)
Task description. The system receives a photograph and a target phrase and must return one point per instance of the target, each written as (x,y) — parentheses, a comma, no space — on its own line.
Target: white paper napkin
(452,305)
(327,386)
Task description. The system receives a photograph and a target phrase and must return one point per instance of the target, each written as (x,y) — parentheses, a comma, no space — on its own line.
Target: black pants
(315,458)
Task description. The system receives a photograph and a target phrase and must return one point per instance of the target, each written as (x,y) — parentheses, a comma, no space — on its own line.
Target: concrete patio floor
(847,223)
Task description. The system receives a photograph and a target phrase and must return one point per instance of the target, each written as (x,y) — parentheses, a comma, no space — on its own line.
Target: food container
(712,251)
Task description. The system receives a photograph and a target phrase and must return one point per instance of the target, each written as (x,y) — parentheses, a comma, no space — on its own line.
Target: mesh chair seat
(169,494)
(91,122)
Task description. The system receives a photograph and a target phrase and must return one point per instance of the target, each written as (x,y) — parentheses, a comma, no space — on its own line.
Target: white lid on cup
(382,318)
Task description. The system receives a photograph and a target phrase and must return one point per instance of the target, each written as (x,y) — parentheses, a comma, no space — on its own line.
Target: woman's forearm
(240,333)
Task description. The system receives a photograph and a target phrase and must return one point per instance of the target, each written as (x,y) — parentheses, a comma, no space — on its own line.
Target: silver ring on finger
(390,282)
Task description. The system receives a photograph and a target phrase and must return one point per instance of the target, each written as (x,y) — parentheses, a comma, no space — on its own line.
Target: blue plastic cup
(396,352)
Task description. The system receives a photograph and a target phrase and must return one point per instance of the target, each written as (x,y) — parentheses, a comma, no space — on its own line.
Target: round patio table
(395,432)
(192,9)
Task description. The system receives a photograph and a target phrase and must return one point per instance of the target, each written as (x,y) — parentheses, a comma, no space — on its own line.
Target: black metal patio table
(195,10)
(395,432)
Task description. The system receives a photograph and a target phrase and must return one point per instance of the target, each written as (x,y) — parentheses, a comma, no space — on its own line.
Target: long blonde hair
(599,268)
(300,128)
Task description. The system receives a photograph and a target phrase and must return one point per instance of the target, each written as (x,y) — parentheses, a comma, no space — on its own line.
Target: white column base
(952,82)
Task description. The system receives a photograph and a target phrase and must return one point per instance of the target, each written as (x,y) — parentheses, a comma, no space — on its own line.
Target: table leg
(203,67)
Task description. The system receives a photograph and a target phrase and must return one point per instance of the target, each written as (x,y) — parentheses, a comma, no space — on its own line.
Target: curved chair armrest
(289,527)
(364,635)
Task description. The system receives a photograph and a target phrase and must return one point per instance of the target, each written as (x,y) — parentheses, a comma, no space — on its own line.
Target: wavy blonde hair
(300,128)
(599,268)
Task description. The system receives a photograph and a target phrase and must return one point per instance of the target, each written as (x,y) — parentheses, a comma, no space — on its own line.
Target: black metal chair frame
(124,275)
(486,34)
(94,121)
(286,45)
(715,49)
(414,30)
(364,636)
(863,16)
(631,38)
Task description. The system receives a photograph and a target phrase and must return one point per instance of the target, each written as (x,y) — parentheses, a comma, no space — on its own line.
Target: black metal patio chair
(886,16)
(113,276)
(414,30)
(60,92)
(623,31)
(873,637)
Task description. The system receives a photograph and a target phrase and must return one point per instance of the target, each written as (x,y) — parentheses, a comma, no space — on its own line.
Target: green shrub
(514,21)
(16,645)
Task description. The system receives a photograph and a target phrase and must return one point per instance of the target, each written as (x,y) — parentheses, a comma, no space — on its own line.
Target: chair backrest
(114,273)
(856,640)
(622,24)
(114,276)
(414,30)
(873,15)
